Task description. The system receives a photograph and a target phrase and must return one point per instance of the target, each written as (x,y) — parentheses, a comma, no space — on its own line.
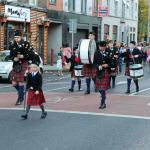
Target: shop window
(33,2)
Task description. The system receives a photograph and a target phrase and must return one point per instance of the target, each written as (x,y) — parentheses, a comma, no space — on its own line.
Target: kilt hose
(19,77)
(35,100)
(103,84)
(127,71)
(89,71)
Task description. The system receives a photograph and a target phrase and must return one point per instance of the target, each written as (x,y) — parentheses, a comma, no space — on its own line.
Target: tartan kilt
(35,100)
(127,71)
(89,71)
(19,77)
(115,72)
(103,84)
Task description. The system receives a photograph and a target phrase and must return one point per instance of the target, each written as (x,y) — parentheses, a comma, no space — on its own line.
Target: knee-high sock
(136,84)
(21,93)
(103,96)
(72,84)
(113,81)
(128,84)
(79,84)
(42,108)
(88,81)
(28,109)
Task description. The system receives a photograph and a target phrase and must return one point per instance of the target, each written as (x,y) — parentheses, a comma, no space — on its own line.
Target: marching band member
(35,94)
(74,62)
(132,56)
(113,54)
(89,70)
(102,63)
(20,53)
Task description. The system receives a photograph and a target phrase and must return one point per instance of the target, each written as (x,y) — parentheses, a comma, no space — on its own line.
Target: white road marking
(139,91)
(86,113)
(121,82)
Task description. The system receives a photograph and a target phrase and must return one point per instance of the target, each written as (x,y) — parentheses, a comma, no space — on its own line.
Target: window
(115,32)
(52,1)
(116,8)
(33,2)
(123,10)
(106,31)
(71,5)
(96,5)
(83,6)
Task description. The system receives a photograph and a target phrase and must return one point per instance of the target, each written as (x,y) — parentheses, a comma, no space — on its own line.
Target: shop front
(32,23)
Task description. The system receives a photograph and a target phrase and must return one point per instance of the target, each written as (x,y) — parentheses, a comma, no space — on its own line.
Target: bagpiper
(20,53)
(102,64)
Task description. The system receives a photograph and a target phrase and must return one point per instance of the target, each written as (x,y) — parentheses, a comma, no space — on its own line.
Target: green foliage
(143,19)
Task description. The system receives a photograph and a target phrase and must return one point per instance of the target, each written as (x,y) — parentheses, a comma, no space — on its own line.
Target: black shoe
(137,89)
(127,92)
(24,116)
(71,90)
(87,92)
(43,116)
(102,106)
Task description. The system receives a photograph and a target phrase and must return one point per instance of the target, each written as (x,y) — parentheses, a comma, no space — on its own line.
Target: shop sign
(17,13)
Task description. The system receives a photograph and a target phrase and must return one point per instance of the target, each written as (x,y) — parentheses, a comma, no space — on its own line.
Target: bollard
(52,57)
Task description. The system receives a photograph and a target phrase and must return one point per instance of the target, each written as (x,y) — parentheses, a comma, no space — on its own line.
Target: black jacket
(34,82)
(128,57)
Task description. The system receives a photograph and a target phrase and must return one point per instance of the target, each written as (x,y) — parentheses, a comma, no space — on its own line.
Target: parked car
(6,65)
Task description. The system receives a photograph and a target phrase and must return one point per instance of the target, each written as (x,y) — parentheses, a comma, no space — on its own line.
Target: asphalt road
(82,126)
(65,131)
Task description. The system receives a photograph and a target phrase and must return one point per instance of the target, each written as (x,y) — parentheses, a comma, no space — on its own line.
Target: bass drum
(87,50)
(136,71)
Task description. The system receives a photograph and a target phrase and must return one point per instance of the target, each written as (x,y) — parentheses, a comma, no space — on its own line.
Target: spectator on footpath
(59,66)
(35,94)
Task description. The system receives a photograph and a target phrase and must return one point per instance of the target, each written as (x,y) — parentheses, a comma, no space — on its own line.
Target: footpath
(49,67)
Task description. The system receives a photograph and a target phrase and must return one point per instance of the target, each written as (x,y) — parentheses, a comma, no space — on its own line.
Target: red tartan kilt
(35,100)
(19,77)
(102,84)
(88,71)
(127,71)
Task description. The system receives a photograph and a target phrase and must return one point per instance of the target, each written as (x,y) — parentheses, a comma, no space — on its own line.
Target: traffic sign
(72,25)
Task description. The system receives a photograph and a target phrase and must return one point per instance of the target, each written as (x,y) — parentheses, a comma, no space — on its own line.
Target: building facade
(29,19)
(121,24)
(148,39)
(82,11)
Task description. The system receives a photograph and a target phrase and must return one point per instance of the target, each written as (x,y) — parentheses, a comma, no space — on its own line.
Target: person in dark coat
(35,93)
(131,56)
(102,64)
(20,53)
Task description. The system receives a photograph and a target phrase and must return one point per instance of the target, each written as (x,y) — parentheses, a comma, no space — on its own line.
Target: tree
(143,19)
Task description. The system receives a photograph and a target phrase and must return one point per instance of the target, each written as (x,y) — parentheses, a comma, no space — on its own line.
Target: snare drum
(78,70)
(87,49)
(136,71)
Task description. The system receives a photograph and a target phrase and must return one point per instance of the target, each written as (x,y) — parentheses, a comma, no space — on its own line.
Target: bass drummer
(89,70)
(131,56)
